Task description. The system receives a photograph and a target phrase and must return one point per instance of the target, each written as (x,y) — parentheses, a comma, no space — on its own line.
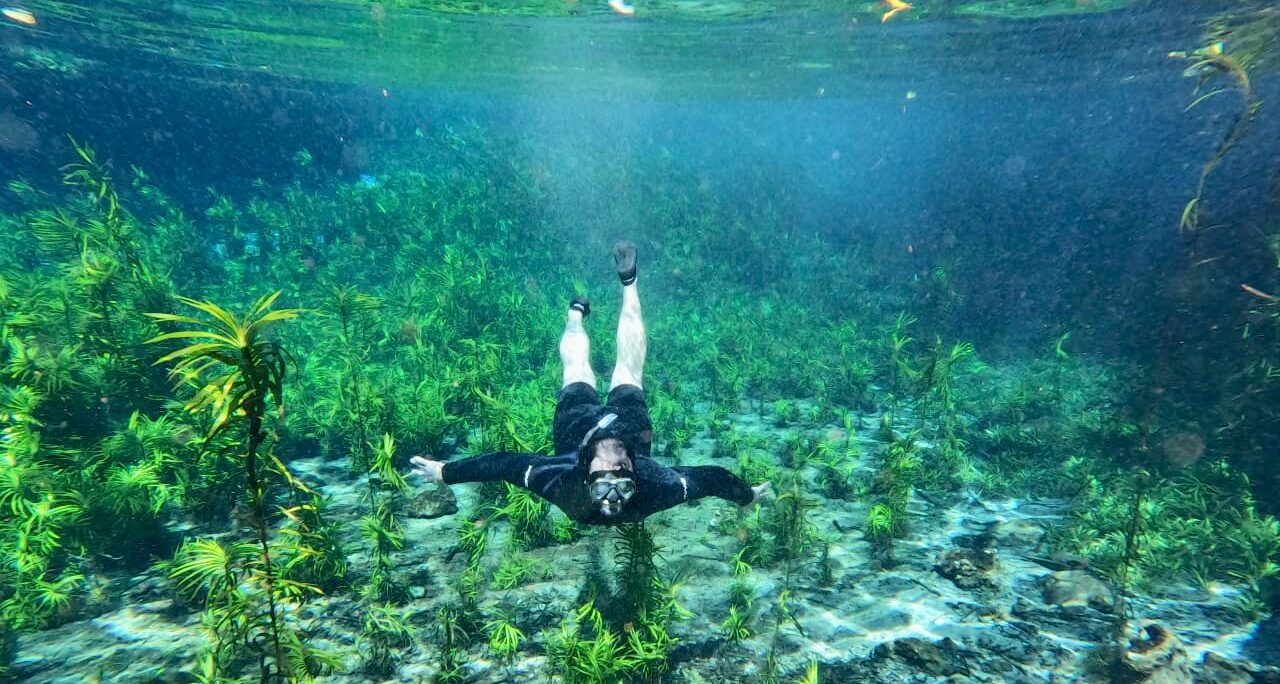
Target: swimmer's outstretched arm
(501,465)
(701,481)
(671,487)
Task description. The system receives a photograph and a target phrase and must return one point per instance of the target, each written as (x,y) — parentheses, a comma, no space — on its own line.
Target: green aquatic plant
(794,536)
(514,569)
(588,651)
(940,373)
(353,402)
(40,515)
(473,539)
(235,371)
(900,368)
(637,571)
(636,641)
(528,515)
(382,527)
(314,551)
(112,230)
(901,470)
(384,633)
(504,637)
(229,579)
(737,625)
(786,412)
(585,651)
(836,461)
(385,535)
(1207,64)
(1144,529)
(452,637)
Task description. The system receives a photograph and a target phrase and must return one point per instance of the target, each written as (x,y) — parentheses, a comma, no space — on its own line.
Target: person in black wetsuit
(602,473)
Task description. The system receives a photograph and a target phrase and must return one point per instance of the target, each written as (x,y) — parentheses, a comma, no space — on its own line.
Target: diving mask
(611,492)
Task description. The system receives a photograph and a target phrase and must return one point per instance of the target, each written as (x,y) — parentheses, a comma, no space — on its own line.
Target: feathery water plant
(384,633)
(528,515)
(235,370)
(314,550)
(514,569)
(794,535)
(386,536)
(637,571)
(737,625)
(504,637)
(587,651)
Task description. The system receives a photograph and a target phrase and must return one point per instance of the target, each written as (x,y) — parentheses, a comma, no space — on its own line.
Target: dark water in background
(1046,160)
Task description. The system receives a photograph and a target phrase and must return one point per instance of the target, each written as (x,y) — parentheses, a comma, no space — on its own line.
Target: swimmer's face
(610,483)
(611,491)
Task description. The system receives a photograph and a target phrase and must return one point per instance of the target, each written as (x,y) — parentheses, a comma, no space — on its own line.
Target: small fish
(19,15)
(368,181)
(622,7)
(895,7)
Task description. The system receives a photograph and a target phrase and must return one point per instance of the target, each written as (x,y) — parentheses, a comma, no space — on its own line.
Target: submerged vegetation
(162,369)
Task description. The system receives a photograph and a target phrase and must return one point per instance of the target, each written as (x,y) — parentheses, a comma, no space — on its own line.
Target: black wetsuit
(562,479)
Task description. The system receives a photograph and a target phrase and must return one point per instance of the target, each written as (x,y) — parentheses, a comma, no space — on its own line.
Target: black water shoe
(580,303)
(624,255)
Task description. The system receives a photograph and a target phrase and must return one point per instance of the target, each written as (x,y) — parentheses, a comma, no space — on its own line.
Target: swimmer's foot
(580,304)
(624,255)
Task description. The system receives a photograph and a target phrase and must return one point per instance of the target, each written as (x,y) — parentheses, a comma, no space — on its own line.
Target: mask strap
(605,421)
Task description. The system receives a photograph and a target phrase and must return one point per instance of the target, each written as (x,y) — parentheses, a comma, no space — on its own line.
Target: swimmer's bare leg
(575,346)
(632,345)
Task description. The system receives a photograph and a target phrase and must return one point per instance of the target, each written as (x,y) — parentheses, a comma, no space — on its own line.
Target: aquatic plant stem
(1239,129)
(1132,537)
(256,496)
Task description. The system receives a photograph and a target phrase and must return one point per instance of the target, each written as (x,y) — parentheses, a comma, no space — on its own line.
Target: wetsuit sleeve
(490,467)
(700,481)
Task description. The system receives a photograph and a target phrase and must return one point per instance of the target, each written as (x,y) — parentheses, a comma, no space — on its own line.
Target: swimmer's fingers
(431,471)
(761,492)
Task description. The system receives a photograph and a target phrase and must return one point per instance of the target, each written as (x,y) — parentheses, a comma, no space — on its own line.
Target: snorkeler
(602,473)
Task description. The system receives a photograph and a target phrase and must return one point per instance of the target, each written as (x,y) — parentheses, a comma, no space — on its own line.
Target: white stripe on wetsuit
(527,471)
(684,485)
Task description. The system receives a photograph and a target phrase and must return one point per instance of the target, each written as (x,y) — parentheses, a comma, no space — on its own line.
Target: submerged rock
(941,659)
(432,502)
(968,568)
(1017,534)
(134,644)
(1156,658)
(1062,561)
(1220,670)
(1077,588)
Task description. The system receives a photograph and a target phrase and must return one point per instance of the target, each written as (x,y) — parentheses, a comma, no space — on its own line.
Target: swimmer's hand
(431,471)
(761,492)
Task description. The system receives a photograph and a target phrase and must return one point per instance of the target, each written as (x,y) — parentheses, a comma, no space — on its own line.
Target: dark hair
(604,429)
(592,451)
